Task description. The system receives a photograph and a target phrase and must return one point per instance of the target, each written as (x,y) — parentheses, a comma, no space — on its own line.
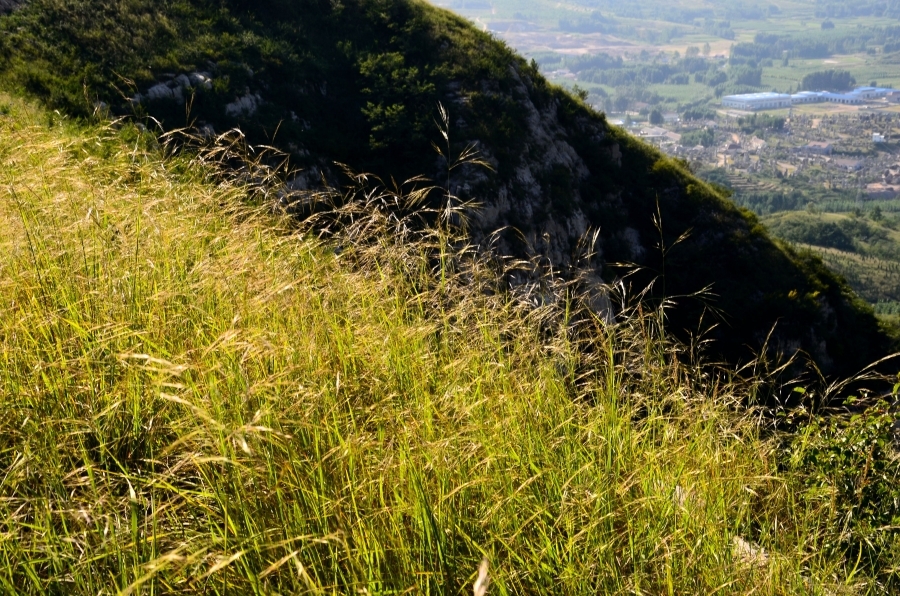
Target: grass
(885,228)
(682,93)
(199,397)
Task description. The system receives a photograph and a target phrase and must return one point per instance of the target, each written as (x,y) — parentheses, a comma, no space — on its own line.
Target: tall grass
(198,396)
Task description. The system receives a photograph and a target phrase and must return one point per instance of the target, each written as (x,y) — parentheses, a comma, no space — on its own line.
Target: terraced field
(865,252)
(875,279)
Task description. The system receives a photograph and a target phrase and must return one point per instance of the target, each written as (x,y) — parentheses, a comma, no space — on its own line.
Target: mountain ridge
(359,83)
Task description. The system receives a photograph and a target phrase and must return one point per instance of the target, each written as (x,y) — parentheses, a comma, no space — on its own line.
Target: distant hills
(359,82)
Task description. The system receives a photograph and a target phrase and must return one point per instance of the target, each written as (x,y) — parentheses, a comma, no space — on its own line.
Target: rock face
(359,83)
(575,174)
(176,89)
(243,106)
(7,6)
(523,198)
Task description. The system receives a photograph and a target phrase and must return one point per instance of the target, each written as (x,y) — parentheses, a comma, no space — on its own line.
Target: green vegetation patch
(830,80)
(873,278)
(357,82)
(864,251)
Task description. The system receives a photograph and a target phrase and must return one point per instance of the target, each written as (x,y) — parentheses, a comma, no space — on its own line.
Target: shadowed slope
(359,82)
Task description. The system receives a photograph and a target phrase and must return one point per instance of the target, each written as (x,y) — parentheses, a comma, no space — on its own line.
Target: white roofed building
(757,101)
(772,101)
(807,97)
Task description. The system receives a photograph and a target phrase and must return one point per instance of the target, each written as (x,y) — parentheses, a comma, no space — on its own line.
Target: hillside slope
(196,399)
(359,83)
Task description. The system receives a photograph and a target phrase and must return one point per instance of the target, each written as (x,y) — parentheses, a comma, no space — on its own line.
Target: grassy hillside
(197,397)
(874,236)
(355,82)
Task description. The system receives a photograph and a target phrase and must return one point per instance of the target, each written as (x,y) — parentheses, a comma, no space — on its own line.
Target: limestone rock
(244,106)
(175,89)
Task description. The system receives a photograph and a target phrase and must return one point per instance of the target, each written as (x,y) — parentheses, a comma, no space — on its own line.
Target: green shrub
(818,233)
(849,470)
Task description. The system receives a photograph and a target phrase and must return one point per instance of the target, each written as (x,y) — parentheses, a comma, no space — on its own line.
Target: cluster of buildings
(659,136)
(774,101)
(889,187)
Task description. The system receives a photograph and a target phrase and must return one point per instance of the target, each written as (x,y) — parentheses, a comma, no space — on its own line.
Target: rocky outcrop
(523,199)
(572,174)
(175,89)
(245,105)
(178,88)
(7,6)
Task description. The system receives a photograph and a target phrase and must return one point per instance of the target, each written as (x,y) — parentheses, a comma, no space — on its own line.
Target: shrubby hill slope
(359,82)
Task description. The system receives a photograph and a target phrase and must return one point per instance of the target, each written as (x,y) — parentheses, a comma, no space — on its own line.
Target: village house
(815,148)
(659,135)
(730,149)
(755,144)
(671,117)
(848,164)
(879,190)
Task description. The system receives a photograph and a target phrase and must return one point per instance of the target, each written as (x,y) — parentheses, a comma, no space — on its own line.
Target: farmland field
(878,279)
(648,32)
